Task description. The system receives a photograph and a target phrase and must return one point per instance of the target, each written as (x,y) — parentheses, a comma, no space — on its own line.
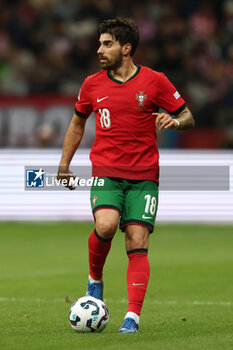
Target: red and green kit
(125,145)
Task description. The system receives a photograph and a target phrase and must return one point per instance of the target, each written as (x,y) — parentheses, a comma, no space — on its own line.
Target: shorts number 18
(150,204)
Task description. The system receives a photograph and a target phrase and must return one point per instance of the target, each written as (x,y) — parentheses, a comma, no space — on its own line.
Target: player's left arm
(183,121)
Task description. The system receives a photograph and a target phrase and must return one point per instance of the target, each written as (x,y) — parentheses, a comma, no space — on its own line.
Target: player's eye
(109,44)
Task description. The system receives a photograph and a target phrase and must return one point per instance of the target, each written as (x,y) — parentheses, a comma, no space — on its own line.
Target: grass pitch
(188,305)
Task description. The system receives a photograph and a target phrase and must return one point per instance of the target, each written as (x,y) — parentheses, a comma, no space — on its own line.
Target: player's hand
(165,121)
(64,173)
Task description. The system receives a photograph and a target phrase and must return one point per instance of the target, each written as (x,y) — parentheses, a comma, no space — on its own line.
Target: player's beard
(111,64)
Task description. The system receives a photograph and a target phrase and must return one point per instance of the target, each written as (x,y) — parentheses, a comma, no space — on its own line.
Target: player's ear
(126,49)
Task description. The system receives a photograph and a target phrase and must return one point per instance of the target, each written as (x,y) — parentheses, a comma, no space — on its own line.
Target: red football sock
(98,251)
(138,274)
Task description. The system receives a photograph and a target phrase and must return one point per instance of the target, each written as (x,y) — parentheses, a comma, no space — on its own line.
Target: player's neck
(125,71)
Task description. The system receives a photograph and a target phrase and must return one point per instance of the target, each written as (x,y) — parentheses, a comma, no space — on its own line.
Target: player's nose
(100,50)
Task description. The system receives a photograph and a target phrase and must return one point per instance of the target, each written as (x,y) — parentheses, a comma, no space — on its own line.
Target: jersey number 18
(105,120)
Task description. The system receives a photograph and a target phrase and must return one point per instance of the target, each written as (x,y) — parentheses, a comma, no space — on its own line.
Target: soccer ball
(88,314)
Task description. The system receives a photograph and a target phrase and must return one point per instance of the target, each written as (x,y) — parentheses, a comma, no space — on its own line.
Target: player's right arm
(71,142)
(83,109)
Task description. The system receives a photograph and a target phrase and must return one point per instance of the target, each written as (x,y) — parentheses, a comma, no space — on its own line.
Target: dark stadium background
(47,47)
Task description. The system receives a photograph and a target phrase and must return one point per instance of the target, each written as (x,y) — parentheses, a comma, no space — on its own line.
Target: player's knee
(106,229)
(137,240)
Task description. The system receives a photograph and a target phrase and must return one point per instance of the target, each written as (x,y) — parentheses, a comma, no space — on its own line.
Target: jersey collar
(121,82)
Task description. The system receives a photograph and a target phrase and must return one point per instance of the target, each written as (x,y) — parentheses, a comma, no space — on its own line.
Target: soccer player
(125,98)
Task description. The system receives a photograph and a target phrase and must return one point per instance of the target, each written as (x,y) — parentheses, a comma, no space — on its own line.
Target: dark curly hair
(124,30)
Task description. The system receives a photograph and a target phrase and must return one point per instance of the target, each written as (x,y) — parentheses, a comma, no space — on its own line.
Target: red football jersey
(125,144)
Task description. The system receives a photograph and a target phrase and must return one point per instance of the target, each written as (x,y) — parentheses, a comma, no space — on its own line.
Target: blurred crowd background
(47,48)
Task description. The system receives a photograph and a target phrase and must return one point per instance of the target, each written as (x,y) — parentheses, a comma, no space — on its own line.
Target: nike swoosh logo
(101,99)
(138,284)
(146,217)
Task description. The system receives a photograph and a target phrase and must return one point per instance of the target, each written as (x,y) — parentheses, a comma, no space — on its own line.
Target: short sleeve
(83,106)
(168,96)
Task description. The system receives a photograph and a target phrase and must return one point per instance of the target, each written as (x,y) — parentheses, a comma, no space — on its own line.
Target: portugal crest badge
(94,199)
(141,98)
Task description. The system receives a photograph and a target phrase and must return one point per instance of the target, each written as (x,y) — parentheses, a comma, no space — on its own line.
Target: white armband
(177,123)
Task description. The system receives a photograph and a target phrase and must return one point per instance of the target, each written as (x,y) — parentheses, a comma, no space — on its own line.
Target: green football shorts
(136,201)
